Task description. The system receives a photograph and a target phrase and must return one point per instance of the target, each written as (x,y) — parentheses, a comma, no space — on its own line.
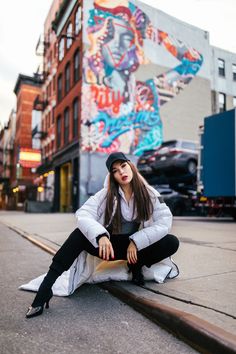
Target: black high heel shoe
(37,310)
(137,275)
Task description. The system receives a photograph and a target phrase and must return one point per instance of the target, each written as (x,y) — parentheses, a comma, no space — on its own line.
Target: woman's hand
(105,248)
(132,253)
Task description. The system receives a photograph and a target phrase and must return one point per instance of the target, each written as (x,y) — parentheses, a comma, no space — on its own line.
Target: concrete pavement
(89,321)
(205,288)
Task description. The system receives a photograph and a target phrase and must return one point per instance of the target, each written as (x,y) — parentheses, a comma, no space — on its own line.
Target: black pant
(77,242)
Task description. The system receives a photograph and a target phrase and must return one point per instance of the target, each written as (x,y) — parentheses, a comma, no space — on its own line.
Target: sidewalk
(198,306)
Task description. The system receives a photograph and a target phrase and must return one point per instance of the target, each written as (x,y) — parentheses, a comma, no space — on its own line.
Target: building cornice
(27,80)
(62,15)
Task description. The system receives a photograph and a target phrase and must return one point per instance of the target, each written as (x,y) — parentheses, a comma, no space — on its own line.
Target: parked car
(174,156)
(180,203)
(144,161)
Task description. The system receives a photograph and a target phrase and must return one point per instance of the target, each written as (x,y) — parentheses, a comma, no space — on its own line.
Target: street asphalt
(89,321)
(199,306)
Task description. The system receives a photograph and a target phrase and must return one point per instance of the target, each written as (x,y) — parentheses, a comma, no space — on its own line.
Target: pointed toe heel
(34,311)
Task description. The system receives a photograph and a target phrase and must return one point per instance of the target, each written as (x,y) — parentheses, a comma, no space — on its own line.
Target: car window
(148,152)
(189,145)
(169,143)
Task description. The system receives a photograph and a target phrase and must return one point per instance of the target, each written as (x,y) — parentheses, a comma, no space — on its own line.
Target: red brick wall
(25,100)
(75,89)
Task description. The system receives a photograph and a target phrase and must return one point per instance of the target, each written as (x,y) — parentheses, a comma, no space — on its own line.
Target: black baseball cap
(113,157)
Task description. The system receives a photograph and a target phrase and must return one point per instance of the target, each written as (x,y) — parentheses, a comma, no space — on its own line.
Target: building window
(234,101)
(46,122)
(54,83)
(69,36)
(66,125)
(222,102)
(53,115)
(76,66)
(49,90)
(78,23)
(49,119)
(59,132)
(75,117)
(59,88)
(234,71)
(67,78)
(221,67)
(61,49)
(55,50)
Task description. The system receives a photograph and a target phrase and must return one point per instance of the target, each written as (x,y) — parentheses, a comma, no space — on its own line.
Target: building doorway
(66,188)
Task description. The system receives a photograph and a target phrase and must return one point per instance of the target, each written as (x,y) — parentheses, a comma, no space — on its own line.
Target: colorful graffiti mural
(119,111)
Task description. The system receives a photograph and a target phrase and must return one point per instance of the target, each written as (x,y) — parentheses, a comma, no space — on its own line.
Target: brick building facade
(26,89)
(67,26)
(118,76)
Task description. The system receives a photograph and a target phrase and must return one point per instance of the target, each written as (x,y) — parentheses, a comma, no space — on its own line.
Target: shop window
(66,125)
(67,78)
(76,66)
(222,102)
(75,117)
(221,67)
(78,22)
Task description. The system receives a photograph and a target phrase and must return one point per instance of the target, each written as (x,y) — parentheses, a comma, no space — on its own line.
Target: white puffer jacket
(89,269)
(90,218)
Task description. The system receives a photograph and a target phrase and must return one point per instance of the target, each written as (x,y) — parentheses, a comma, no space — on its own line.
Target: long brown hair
(142,200)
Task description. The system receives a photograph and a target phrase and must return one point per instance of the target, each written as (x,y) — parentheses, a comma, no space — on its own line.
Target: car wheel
(177,209)
(191,167)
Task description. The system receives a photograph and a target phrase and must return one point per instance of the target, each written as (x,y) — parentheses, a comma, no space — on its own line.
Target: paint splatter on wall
(120,112)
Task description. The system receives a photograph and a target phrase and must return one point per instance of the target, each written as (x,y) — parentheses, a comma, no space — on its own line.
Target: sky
(21,23)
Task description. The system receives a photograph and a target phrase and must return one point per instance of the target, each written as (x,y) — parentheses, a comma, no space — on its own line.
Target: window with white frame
(75,117)
(69,36)
(222,102)
(67,77)
(61,49)
(66,125)
(221,67)
(76,66)
(78,22)
(59,88)
(234,71)
(58,131)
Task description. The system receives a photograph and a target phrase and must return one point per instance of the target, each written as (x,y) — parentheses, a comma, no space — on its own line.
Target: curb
(25,235)
(198,333)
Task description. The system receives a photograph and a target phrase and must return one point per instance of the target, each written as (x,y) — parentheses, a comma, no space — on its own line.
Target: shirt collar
(122,194)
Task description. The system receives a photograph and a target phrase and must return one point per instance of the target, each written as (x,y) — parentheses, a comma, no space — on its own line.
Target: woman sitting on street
(127,220)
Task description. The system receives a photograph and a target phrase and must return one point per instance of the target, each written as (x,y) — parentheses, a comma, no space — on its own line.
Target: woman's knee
(173,242)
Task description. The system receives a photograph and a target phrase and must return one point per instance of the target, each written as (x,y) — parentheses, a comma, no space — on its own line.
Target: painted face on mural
(124,109)
(118,49)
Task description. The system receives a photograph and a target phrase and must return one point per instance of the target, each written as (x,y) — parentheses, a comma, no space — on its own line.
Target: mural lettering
(122,112)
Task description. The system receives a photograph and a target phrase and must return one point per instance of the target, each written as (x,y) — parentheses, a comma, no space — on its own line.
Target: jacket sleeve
(88,216)
(156,228)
